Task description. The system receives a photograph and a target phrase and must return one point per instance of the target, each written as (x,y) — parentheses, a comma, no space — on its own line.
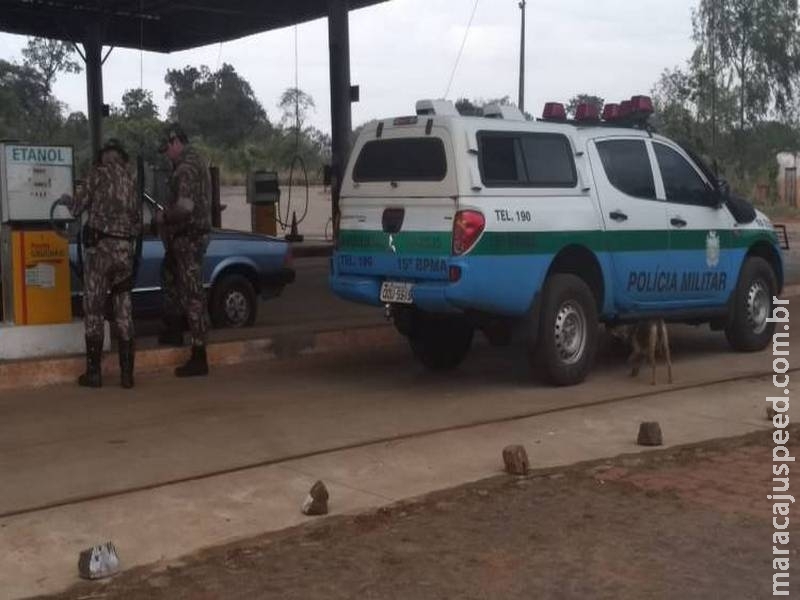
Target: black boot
(94,355)
(172,332)
(197,365)
(126,359)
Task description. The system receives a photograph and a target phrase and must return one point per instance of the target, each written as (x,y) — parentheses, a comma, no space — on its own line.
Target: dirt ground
(685,523)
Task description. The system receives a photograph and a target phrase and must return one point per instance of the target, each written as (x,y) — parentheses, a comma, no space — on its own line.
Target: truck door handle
(678,222)
(618,216)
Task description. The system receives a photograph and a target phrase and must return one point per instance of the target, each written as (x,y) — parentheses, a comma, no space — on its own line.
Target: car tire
(568,331)
(747,329)
(233,302)
(440,343)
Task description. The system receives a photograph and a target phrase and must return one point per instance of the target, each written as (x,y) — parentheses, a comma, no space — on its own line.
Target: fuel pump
(263,195)
(34,259)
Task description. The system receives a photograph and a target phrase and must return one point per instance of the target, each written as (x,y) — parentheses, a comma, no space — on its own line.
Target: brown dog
(648,338)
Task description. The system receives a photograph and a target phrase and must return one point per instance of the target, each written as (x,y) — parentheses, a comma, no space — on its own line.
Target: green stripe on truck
(438,243)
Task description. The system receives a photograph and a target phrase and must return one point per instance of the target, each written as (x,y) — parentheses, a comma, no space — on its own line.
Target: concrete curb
(39,373)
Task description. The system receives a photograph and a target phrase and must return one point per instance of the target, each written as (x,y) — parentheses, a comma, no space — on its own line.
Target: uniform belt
(92,236)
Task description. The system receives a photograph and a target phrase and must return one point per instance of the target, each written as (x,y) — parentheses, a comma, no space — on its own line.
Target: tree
(218,106)
(572,105)
(296,105)
(675,109)
(27,111)
(758,42)
(474,108)
(49,58)
(138,104)
(467,108)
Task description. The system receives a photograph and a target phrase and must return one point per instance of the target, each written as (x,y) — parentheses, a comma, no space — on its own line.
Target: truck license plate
(394,292)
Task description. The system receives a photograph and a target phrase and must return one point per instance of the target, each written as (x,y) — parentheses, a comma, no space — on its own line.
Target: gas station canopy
(159,25)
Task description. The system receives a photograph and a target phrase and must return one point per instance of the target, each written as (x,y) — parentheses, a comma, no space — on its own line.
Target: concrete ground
(175,466)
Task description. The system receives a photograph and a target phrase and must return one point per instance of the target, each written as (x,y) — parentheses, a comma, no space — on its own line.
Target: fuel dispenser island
(34,259)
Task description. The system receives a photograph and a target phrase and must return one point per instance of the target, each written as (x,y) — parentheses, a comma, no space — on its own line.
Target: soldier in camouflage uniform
(109,238)
(185,225)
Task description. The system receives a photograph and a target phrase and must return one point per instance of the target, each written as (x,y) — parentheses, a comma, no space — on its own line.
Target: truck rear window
(401,159)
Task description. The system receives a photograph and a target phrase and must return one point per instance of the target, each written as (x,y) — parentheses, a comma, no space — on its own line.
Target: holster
(91,237)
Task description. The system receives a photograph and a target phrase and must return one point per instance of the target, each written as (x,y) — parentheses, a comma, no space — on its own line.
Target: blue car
(239,267)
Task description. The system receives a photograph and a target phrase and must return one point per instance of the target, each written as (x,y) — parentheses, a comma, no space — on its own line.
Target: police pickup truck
(548,227)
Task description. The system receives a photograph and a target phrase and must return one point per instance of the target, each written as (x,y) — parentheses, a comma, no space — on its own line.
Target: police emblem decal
(712,249)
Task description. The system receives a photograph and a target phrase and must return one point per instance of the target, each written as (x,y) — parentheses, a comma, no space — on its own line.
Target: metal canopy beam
(341,116)
(158,25)
(93,49)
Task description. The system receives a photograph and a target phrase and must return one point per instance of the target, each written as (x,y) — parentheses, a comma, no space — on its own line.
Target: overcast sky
(404,50)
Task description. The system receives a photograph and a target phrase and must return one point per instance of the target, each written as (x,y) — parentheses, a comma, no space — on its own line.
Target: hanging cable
(297,159)
(141,46)
(461,50)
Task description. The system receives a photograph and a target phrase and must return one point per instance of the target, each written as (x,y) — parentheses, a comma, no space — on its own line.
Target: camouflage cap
(114,145)
(171,132)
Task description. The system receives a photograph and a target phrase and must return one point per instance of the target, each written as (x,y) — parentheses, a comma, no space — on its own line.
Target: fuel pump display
(34,259)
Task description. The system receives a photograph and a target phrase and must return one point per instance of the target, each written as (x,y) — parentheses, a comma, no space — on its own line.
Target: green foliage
(735,101)
(295,105)
(468,108)
(474,108)
(138,104)
(27,111)
(49,58)
(219,107)
(749,49)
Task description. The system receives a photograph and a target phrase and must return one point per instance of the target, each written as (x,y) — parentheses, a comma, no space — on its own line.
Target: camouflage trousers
(182,283)
(108,267)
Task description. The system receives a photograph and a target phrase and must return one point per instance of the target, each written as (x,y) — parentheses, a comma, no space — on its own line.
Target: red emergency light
(587,111)
(554,111)
(641,105)
(625,109)
(611,112)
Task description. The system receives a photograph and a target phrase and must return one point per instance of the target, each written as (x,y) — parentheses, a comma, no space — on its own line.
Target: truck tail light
(467,228)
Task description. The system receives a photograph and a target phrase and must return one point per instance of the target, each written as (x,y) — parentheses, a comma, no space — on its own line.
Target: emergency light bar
(642,105)
(587,112)
(611,112)
(554,111)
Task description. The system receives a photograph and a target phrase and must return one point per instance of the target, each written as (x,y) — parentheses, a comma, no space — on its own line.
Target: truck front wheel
(568,330)
(748,329)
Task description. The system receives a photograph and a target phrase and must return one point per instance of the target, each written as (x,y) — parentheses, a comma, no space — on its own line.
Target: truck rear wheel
(440,343)
(568,330)
(748,329)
